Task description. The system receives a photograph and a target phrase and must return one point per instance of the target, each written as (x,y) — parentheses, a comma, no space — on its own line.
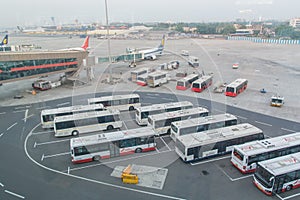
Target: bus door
(114,149)
(278,184)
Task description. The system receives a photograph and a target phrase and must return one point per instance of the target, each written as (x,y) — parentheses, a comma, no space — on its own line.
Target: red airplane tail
(85,44)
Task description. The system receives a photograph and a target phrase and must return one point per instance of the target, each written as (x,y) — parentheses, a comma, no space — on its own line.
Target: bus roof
(204,120)
(283,164)
(178,113)
(164,106)
(188,77)
(202,79)
(86,115)
(113,97)
(270,144)
(112,136)
(237,82)
(216,135)
(71,108)
(156,73)
(141,70)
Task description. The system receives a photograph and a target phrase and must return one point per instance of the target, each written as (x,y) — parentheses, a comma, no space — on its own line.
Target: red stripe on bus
(181,88)
(261,189)
(231,94)
(149,149)
(243,171)
(42,66)
(141,83)
(82,161)
(197,89)
(127,153)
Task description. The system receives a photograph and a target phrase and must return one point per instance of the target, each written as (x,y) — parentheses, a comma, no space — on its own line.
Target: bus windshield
(265,177)
(229,89)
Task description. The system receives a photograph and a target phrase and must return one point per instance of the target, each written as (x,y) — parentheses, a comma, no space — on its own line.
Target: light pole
(108,42)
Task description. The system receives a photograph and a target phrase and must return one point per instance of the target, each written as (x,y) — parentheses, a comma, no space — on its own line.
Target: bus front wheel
(131,108)
(74,133)
(110,127)
(289,187)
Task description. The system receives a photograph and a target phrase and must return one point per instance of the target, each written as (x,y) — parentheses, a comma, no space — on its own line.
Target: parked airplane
(4,41)
(84,47)
(150,54)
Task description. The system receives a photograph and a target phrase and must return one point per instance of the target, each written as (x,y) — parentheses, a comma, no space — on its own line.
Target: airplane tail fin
(5,40)
(85,44)
(162,44)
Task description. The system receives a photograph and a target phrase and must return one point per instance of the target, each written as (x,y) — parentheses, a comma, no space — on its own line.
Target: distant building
(295,22)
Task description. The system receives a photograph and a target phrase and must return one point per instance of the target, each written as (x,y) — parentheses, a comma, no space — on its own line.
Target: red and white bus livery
(236,87)
(278,175)
(246,156)
(108,145)
(186,82)
(201,84)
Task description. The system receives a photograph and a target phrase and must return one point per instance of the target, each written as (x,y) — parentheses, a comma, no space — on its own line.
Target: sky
(31,12)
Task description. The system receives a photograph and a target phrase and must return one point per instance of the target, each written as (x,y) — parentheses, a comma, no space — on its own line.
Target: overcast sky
(34,12)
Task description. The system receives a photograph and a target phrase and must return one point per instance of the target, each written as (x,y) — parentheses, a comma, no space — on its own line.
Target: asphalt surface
(37,165)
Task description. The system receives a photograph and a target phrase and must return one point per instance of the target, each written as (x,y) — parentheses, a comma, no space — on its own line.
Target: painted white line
(292,196)
(125,126)
(18,111)
(289,130)
(41,108)
(62,104)
(165,143)
(240,178)
(42,132)
(20,107)
(279,197)
(1,185)
(234,179)
(25,119)
(1,134)
(14,194)
(26,115)
(12,126)
(263,123)
(42,157)
(50,142)
(210,160)
(156,149)
(34,145)
(241,117)
(2,113)
(68,170)
(55,155)
(91,180)
(150,94)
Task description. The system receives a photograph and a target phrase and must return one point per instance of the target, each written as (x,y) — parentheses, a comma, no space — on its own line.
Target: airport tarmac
(274,67)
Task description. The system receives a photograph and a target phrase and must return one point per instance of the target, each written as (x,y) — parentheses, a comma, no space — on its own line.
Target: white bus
(142,113)
(87,122)
(47,116)
(108,145)
(157,78)
(215,142)
(201,84)
(245,156)
(121,102)
(278,174)
(236,87)
(186,82)
(161,123)
(189,126)
(136,73)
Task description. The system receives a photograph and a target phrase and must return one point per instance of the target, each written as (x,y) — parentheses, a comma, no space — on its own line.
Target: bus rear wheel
(138,150)
(96,158)
(131,108)
(74,133)
(110,127)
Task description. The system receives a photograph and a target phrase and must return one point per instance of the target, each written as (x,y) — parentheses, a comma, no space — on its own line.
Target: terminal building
(25,65)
